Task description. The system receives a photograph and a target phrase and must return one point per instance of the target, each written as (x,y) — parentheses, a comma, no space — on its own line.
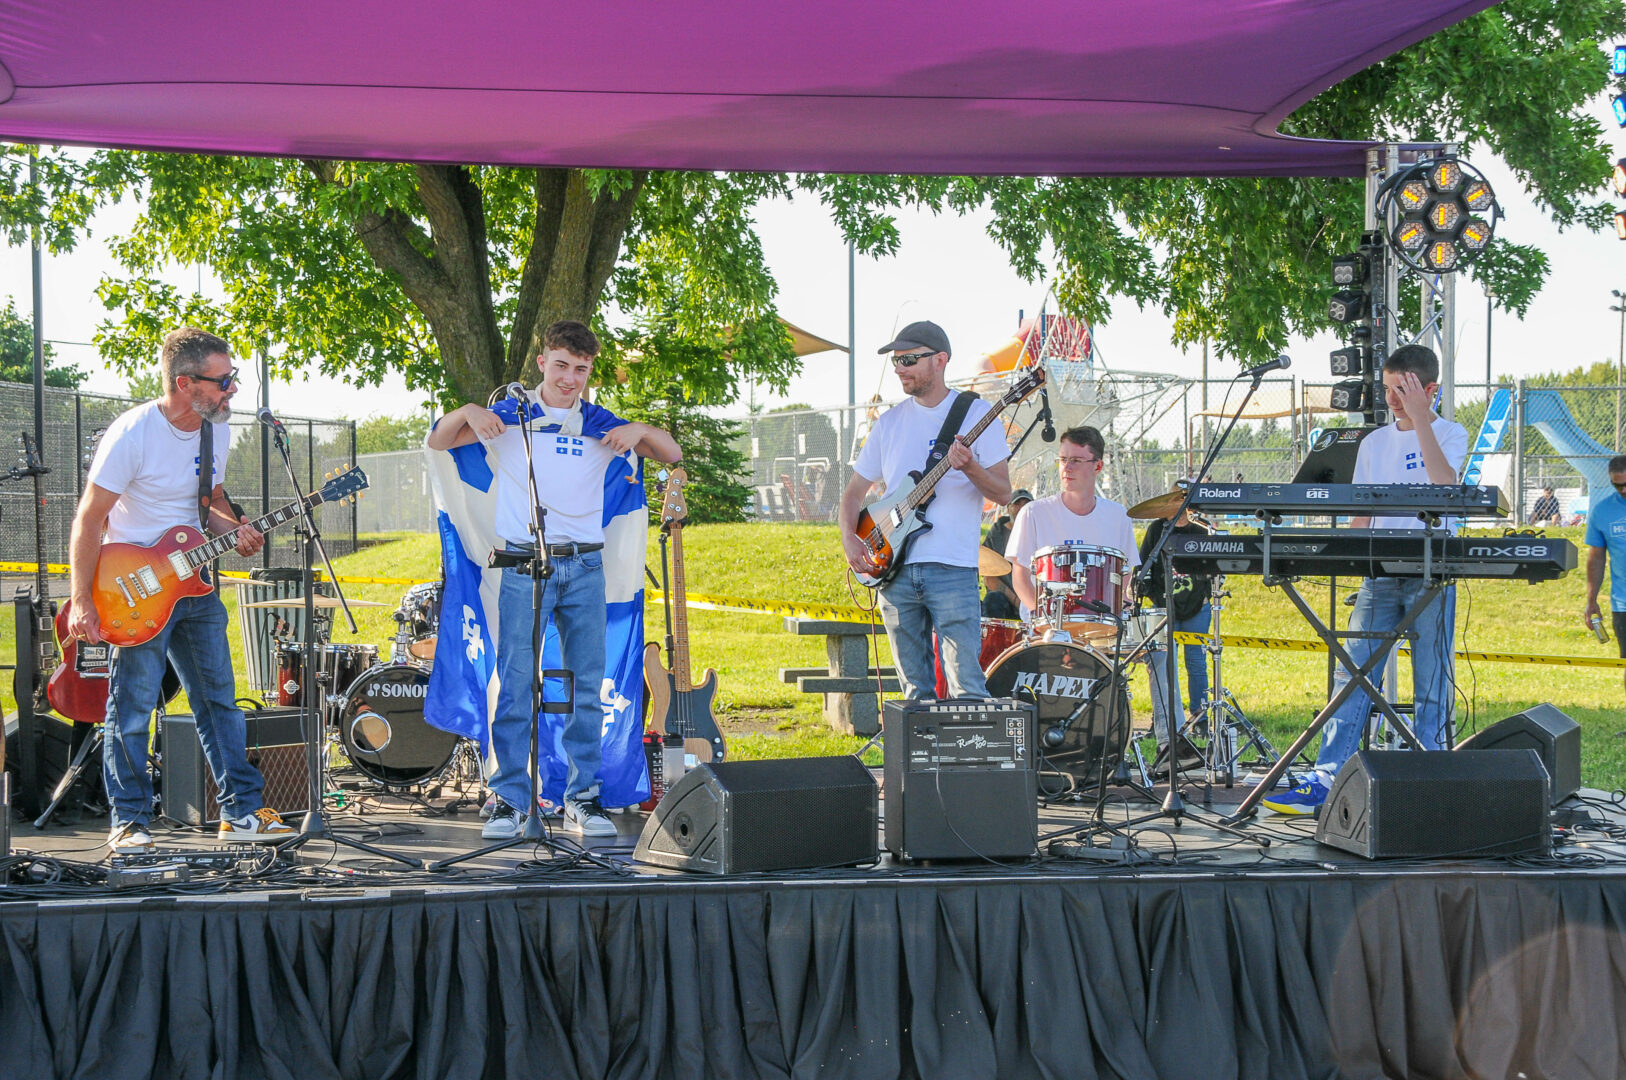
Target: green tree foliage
(448,273)
(17,353)
(380,434)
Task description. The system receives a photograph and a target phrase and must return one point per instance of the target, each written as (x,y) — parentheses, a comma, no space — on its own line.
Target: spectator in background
(1606,543)
(1001,601)
(1545,512)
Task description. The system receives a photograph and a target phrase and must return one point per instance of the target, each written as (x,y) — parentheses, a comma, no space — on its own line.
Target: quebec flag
(462,695)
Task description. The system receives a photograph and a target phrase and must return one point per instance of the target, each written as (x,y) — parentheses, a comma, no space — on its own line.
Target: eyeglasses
(1064,461)
(1618,485)
(910,359)
(225,382)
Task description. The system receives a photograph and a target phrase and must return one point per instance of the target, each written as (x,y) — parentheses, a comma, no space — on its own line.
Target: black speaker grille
(802,812)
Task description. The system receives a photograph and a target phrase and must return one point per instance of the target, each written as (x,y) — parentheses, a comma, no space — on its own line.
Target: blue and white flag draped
(462,693)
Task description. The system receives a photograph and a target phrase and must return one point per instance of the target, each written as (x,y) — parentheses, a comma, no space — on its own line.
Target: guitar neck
(680,616)
(923,490)
(210,550)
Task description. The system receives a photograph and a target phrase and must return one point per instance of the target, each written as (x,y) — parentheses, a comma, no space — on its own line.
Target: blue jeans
(194,640)
(574,598)
(1196,659)
(928,596)
(1379,606)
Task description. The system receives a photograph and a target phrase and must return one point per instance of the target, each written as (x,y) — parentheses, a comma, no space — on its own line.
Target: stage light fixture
(1349,270)
(1620,224)
(1347,306)
(1618,180)
(1350,360)
(1448,214)
(1351,396)
(1618,66)
(1618,103)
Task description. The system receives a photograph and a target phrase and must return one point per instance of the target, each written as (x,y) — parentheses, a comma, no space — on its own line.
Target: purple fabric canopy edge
(1049,87)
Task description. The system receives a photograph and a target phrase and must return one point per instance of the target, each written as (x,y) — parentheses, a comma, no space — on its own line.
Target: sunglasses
(910,359)
(225,382)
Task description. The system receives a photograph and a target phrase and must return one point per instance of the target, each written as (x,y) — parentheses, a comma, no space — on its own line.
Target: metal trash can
(261,627)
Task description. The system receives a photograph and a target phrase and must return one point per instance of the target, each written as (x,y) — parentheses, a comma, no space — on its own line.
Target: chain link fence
(255,477)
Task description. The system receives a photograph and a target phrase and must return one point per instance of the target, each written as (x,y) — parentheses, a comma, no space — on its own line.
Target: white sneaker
(263,826)
(130,839)
(587,817)
(503,824)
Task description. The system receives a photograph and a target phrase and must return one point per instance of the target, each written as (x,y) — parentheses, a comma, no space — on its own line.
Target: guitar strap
(951,428)
(206,476)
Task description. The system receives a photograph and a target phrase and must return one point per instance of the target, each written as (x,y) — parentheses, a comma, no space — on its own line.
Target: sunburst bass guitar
(137,586)
(888,525)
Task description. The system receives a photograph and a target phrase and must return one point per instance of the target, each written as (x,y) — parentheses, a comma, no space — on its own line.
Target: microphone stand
(315,825)
(1174,804)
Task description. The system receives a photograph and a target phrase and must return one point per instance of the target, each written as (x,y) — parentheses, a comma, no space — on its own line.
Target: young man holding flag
(574,442)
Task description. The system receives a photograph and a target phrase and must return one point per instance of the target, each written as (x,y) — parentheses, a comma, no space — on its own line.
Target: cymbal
(991,563)
(1159,506)
(321,602)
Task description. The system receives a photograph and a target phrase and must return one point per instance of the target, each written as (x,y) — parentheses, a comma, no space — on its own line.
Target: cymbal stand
(312,702)
(1223,715)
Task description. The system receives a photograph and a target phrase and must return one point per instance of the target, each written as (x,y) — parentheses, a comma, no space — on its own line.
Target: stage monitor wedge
(1548,732)
(1412,804)
(744,817)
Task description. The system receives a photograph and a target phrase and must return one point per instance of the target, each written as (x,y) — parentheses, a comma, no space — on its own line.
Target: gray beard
(217,415)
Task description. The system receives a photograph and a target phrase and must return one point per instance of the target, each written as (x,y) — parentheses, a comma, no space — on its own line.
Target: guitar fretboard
(227,541)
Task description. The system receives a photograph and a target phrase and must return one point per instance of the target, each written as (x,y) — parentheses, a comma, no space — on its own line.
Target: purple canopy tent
(1066,87)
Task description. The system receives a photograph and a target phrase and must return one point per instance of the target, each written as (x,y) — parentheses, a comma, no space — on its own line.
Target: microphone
(516,391)
(1281,363)
(1056,733)
(269,419)
(1049,432)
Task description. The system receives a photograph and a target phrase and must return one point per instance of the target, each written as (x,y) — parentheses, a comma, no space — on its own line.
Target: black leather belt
(564,551)
(502,558)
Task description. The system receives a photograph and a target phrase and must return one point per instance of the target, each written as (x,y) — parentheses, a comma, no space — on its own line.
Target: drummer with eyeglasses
(1078,514)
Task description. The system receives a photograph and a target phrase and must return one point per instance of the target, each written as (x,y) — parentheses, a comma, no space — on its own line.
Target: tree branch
(550,207)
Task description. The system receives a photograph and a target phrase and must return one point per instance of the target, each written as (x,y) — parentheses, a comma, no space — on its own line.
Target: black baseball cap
(1019,495)
(919,335)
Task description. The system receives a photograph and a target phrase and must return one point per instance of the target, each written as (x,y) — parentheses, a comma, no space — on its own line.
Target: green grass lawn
(1279,689)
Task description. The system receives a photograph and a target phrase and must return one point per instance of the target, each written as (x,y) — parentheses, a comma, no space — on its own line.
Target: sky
(949,270)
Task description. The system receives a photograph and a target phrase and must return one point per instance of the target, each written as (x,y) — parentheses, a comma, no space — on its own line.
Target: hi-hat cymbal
(1159,506)
(991,563)
(321,602)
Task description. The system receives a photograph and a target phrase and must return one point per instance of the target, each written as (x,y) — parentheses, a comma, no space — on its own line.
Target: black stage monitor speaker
(275,747)
(744,817)
(1411,804)
(1549,733)
(960,781)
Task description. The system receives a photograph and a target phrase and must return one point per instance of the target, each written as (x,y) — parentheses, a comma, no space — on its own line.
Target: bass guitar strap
(206,486)
(951,428)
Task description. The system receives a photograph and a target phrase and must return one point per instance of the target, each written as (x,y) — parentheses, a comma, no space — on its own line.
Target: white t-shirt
(569,474)
(898,445)
(1392,456)
(153,467)
(1047,522)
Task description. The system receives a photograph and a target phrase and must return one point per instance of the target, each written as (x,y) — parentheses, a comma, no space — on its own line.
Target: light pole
(1620,359)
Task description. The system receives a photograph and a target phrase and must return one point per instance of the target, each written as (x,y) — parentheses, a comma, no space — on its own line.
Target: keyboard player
(1416,447)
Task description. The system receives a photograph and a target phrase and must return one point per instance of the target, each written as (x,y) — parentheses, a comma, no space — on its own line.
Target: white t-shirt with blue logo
(1392,456)
(153,467)
(569,473)
(1606,528)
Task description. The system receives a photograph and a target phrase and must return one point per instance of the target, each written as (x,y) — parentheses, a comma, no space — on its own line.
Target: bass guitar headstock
(674,507)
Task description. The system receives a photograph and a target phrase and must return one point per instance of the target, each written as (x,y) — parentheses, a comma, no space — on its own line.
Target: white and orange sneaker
(263,826)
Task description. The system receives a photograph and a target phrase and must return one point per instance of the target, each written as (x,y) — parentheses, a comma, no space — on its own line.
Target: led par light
(1349,271)
(1618,103)
(1448,214)
(1618,66)
(1347,306)
(1442,256)
(1351,396)
(1620,224)
(1349,361)
(1618,179)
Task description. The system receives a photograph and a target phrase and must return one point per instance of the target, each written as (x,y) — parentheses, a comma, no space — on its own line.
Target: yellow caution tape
(1300,645)
(842,613)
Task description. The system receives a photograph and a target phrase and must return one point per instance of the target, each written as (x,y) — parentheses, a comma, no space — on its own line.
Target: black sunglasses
(910,359)
(225,382)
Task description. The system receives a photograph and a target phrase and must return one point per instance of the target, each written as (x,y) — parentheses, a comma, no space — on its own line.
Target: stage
(1216,958)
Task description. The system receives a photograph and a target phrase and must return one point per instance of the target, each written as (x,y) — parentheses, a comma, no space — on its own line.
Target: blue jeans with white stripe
(574,598)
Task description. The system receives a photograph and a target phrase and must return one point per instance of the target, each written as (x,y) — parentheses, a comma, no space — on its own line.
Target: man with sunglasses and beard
(936,586)
(145,480)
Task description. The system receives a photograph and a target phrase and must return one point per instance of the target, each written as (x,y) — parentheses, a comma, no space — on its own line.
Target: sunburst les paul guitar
(888,525)
(137,586)
(677,706)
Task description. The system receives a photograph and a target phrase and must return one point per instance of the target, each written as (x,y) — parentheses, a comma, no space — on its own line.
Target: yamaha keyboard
(1389,500)
(1374,553)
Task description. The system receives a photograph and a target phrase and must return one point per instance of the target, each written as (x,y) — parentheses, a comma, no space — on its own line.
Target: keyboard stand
(1359,675)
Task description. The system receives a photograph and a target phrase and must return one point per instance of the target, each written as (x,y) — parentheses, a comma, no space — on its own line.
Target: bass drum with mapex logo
(1058,676)
(384,732)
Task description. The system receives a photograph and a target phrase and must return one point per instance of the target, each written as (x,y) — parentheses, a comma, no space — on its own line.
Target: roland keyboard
(1374,553)
(1459,500)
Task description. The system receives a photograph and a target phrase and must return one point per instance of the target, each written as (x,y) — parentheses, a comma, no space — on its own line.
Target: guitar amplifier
(275,746)
(960,779)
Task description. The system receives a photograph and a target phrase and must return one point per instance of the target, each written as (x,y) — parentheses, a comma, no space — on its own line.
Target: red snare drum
(1073,582)
(997,636)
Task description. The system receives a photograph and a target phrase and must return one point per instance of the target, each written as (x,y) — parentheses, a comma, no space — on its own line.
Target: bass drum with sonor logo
(1058,676)
(383,729)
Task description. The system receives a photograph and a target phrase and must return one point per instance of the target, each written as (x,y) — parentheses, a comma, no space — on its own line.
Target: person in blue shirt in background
(1606,538)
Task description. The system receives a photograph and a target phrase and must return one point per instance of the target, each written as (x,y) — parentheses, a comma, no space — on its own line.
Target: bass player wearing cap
(936,586)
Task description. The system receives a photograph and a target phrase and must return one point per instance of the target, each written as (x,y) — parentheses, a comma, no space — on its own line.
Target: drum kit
(373,708)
